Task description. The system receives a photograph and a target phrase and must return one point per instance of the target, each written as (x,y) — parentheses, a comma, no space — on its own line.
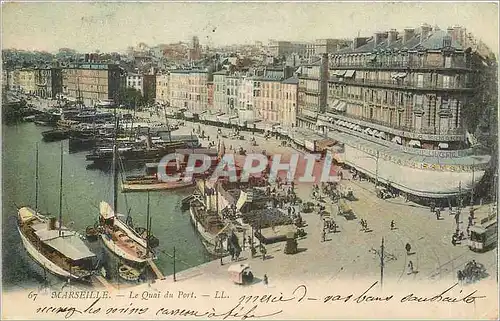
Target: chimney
(379,37)
(393,36)
(408,34)
(425,32)
(358,42)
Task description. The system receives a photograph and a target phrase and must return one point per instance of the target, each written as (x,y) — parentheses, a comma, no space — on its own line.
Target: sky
(113,26)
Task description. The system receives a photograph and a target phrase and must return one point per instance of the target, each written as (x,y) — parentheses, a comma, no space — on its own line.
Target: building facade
(220,96)
(395,101)
(48,82)
(24,80)
(188,89)
(232,88)
(144,83)
(267,99)
(287,109)
(91,82)
(163,89)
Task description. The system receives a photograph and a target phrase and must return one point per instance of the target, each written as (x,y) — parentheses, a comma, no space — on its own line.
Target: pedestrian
(438,213)
(408,248)
(468,232)
(323,235)
(472,212)
(410,267)
(392,225)
(244,243)
(454,240)
(470,220)
(263,252)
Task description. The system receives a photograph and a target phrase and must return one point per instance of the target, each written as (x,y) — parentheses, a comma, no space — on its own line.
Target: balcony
(397,66)
(401,130)
(405,85)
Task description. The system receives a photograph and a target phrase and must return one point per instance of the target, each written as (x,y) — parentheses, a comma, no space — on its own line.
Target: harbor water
(83,189)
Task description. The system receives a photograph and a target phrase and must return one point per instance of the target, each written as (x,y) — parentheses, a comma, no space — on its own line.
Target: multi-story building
(220,95)
(145,83)
(312,92)
(232,88)
(287,109)
(267,98)
(395,102)
(48,82)
(322,46)
(245,102)
(285,48)
(24,80)
(163,89)
(188,89)
(91,83)
(210,95)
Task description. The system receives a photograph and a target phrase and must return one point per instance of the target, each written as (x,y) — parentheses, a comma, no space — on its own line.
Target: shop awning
(397,140)
(375,133)
(358,128)
(349,73)
(335,104)
(414,143)
(342,106)
(339,73)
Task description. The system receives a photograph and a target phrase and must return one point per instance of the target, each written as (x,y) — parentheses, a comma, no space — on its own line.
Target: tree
(130,97)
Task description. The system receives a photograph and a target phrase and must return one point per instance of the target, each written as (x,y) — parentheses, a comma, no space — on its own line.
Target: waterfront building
(396,102)
(220,96)
(287,109)
(245,102)
(312,92)
(163,89)
(210,95)
(267,99)
(232,86)
(23,80)
(48,82)
(188,89)
(91,82)
(145,83)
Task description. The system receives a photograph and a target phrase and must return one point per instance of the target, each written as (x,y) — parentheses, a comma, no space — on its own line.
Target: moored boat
(129,273)
(210,227)
(55,134)
(137,185)
(59,251)
(54,247)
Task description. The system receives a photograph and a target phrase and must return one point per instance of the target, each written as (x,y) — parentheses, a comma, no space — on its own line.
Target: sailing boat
(118,236)
(53,246)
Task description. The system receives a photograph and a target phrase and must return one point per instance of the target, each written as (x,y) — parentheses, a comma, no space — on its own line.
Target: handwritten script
(163,305)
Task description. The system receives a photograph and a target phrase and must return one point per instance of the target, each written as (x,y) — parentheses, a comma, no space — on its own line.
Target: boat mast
(114,166)
(61,192)
(148,227)
(167,123)
(36,179)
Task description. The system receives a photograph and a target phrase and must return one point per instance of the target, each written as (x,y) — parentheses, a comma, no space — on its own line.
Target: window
(446,81)
(420,80)
(447,62)
(444,102)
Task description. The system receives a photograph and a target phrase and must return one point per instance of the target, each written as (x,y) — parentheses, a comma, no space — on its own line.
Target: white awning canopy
(358,128)
(349,73)
(443,145)
(397,140)
(382,135)
(414,143)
